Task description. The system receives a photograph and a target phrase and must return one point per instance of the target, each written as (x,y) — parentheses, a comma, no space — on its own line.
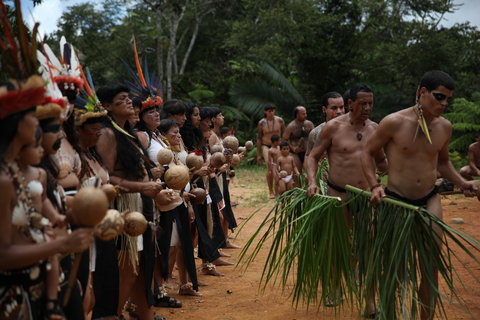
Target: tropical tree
(465,118)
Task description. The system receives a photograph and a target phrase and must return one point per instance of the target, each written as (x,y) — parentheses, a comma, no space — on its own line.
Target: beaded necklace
(24,216)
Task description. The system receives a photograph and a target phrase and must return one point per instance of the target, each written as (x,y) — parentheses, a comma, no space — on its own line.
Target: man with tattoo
(332,106)
(296,135)
(268,126)
(344,139)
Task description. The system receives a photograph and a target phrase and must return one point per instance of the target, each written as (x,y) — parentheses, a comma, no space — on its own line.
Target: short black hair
(137,102)
(205,113)
(106,93)
(435,78)
(174,107)
(166,124)
(284,144)
(269,106)
(359,87)
(274,137)
(224,130)
(329,95)
(215,111)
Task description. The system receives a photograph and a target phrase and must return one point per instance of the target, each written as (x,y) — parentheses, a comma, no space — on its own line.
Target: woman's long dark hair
(191,136)
(128,154)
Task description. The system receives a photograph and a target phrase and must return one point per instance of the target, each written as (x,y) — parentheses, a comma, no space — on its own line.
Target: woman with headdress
(66,72)
(122,155)
(22,266)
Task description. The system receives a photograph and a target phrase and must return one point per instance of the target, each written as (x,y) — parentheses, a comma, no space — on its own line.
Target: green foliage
(457,160)
(249,52)
(465,119)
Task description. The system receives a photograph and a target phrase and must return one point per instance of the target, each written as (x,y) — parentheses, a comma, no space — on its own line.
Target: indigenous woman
(23,248)
(228,219)
(181,245)
(88,120)
(67,74)
(210,234)
(123,157)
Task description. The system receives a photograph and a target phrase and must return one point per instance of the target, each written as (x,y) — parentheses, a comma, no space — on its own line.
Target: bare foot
(220,262)
(223,254)
(187,290)
(230,245)
(271,196)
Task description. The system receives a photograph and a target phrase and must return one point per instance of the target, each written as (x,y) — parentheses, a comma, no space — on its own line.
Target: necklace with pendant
(359,134)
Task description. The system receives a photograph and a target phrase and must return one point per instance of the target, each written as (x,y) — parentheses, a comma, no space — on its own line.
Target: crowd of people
(412,144)
(59,135)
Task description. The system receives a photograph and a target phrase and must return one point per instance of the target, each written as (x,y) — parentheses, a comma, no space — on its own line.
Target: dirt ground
(237,295)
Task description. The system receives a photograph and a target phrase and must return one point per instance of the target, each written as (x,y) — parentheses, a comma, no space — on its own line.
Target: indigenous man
(332,106)
(473,168)
(267,127)
(415,152)
(344,139)
(296,135)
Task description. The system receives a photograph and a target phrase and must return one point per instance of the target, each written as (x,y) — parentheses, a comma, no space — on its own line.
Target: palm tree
(269,85)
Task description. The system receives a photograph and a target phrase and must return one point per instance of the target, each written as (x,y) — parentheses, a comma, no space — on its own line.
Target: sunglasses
(51,128)
(440,97)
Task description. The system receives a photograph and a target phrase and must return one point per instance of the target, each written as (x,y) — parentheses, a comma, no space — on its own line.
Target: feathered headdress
(66,69)
(87,104)
(148,88)
(23,88)
(55,103)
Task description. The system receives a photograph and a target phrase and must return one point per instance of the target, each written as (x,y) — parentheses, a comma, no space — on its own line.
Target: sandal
(54,312)
(187,290)
(167,302)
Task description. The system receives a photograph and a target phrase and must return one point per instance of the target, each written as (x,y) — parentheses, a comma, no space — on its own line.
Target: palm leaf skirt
(393,243)
(310,246)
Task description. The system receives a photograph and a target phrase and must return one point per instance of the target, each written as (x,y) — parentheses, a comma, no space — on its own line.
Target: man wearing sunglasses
(416,143)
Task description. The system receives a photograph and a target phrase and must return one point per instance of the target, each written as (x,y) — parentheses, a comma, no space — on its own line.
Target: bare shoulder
(396,119)
(279,119)
(107,135)
(262,122)
(6,185)
(309,124)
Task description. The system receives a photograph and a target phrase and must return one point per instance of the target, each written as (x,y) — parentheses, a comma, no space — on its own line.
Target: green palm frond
(310,243)
(277,78)
(393,242)
(251,96)
(233,113)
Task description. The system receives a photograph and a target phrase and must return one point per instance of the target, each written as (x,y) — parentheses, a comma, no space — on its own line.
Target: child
(273,154)
(36,179)
(285,164)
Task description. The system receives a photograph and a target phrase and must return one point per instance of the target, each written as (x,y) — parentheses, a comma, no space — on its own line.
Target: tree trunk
(159,45)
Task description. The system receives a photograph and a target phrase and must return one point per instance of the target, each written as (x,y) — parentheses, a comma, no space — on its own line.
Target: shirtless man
(286,163)
(332,106)
(296,135)
(273,154)
(473,168)
(268,126)
(344,139)
(413,160)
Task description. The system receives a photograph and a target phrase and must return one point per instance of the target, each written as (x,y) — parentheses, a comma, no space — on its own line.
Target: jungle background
(240,54)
